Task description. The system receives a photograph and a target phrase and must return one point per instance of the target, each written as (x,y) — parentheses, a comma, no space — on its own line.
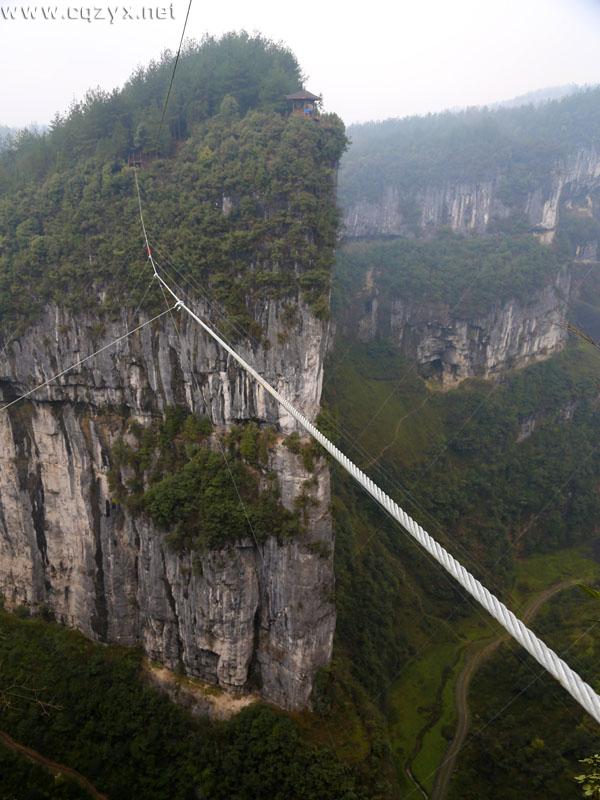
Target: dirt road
(477,655)
(52,766)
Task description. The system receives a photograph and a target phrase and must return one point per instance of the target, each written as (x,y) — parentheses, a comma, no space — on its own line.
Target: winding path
(476,656)
(52,766)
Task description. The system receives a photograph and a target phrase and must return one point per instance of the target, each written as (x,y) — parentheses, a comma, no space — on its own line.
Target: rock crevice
(468,207)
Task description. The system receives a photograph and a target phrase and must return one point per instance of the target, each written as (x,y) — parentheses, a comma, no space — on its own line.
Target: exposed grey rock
(450,347)
(242,617)
(469,208)
(526,428)
(532,422)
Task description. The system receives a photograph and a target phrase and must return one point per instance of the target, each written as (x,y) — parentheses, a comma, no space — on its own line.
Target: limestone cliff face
(470,207)
(249,616)
(449,347)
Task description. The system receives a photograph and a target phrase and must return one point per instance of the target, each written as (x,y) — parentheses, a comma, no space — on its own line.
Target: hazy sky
(370,60)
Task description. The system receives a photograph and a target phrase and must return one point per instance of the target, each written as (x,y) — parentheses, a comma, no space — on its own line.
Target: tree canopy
(519,144)
(254,70)
(240,196)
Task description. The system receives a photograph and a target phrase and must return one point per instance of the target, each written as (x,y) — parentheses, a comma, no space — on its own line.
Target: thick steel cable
(581,692)
(570,680)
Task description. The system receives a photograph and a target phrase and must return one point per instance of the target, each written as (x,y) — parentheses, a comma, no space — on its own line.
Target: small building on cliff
(303,103)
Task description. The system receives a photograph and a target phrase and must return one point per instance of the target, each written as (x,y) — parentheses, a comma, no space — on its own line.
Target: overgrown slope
(495,489)
(130,741)
(472,145)
(243,205)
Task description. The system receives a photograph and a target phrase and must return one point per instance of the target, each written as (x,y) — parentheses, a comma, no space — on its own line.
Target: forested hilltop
(104,125)
(238,193)
(469,146)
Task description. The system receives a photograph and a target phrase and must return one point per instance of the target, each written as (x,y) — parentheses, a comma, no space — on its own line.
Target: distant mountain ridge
(545,95)
(515,169)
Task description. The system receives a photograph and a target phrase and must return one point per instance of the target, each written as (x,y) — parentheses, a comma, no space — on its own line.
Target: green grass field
(537,572)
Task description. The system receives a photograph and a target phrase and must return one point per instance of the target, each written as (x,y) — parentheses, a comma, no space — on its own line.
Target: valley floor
(429,731)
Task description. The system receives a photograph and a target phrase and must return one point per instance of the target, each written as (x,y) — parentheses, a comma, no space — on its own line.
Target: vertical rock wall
(248,616)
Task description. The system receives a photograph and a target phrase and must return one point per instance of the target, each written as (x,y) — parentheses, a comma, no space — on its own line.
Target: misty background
(369,61)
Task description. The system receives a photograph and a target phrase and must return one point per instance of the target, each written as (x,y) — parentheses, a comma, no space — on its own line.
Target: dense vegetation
(534,491)
(206,492)
(469,275)
(22,780)
(478,144)
(532,749)
(244,206)
(105,125)
(493,489)
(131,741)
(468,466)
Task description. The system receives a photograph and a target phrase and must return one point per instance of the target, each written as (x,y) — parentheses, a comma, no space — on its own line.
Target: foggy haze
(369,61)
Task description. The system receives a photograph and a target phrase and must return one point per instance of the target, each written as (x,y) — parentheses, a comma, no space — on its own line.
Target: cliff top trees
(471,145)
(246,201)
(250,68)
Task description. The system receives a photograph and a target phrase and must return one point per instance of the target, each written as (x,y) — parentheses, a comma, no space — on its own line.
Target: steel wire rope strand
(544,655)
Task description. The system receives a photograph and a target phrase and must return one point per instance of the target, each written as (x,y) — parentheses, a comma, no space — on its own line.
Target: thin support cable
(87,358)
(166,103)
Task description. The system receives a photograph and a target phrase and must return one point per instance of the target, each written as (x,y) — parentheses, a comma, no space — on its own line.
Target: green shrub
(67,226)
(202,498)
(130,740)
